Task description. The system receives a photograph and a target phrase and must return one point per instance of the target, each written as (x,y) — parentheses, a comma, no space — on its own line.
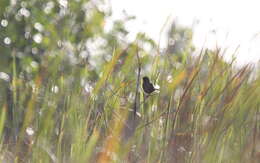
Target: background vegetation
(70,86)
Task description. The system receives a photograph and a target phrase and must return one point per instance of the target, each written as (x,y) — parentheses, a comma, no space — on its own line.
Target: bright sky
(235,22)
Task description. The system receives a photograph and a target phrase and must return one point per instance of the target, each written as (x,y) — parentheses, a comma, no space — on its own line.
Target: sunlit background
(229,24)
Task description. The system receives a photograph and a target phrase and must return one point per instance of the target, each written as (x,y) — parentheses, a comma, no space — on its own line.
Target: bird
(148,87)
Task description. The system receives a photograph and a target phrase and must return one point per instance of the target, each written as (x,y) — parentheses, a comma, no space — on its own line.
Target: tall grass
(207,111)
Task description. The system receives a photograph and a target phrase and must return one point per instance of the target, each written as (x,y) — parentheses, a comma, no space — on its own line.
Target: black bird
(147,86)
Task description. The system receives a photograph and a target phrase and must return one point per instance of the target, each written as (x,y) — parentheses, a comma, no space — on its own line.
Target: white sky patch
(29,131)
(4,76)
(227,24)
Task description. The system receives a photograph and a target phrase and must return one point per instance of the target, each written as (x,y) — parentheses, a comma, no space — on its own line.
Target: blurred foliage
(69,83)
(179,41)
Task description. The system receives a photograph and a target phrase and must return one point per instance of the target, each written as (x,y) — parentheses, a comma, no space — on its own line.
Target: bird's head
(146,79)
